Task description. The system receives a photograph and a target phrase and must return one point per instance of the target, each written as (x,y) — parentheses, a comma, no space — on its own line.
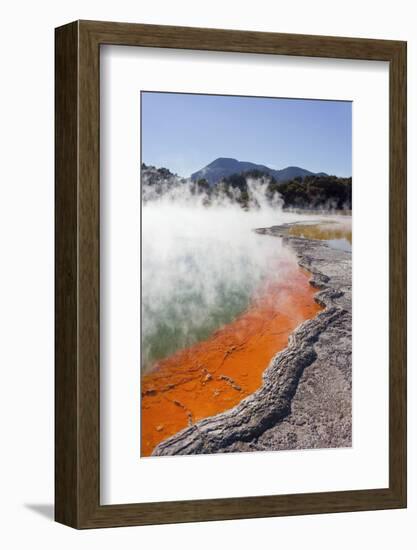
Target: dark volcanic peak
(224,167)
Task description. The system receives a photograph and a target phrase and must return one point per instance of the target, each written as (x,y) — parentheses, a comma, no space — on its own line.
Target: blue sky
(185,132)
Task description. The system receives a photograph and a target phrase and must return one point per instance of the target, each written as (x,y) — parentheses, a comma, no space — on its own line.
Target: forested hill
(309,192)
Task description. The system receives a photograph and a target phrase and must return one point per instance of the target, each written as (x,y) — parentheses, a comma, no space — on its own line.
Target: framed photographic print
(230,274)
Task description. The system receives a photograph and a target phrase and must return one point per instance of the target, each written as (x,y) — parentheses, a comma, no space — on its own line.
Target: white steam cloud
(201,264)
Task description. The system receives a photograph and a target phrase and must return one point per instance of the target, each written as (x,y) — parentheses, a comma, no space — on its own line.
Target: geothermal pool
(218,302)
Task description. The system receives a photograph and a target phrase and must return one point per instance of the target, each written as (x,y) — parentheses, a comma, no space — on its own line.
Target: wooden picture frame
(77,382)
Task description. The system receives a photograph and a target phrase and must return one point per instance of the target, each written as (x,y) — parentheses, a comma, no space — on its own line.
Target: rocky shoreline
(305,400)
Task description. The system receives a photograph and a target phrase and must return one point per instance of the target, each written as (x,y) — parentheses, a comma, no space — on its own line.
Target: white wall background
(26,273)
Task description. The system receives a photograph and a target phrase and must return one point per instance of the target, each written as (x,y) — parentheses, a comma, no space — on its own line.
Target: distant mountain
(223,167)
(312,191)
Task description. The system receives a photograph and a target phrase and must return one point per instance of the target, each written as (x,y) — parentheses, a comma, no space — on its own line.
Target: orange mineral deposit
(216,374)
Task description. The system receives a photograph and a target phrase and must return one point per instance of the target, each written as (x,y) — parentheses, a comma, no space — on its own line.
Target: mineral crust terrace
(305,400)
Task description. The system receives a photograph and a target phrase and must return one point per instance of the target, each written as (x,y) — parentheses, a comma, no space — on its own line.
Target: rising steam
(201,260)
